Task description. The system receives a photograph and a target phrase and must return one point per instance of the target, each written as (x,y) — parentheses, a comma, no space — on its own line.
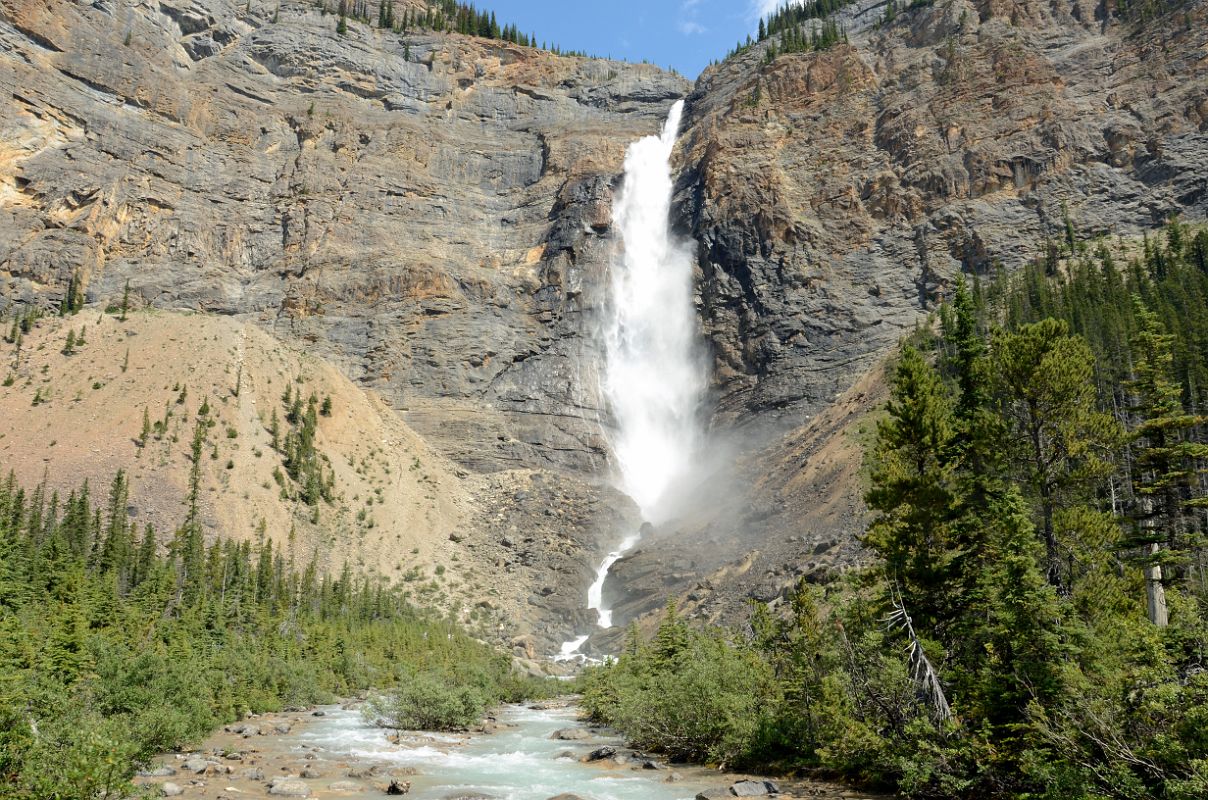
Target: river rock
(254,774)
(170,789)
(288,787)
(244,729)
(197,765)
(571,734)
(346,786)
(310,772)
(713,794)
(397,787)
(162,771)
(601,753)
(754,789)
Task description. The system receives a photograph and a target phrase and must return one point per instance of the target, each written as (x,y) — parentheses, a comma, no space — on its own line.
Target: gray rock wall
(429,212)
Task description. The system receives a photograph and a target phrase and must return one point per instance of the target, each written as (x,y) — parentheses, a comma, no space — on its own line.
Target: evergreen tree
(1168,462)
(914,488)
(1046,381)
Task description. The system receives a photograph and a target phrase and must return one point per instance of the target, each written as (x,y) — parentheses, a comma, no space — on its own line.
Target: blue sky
(684,34)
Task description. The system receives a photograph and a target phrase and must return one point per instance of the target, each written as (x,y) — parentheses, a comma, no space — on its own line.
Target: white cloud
(758,9)
(687,24)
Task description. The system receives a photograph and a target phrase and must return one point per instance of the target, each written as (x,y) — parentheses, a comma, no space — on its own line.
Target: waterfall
(653,377)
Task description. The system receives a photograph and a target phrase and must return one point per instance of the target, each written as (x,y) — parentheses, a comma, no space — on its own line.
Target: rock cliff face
(836,194)
(431,215)
(835,197)
(428,213)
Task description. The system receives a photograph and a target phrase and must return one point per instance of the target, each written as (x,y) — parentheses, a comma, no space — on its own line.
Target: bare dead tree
(921,670)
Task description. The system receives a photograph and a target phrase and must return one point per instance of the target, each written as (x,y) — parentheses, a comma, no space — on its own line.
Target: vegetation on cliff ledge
(1036,625)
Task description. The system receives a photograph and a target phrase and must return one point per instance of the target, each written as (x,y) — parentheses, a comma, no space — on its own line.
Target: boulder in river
(170,789)
(197,765)
(601,753)
(754,789)
(714,794)
(398,787)
(571,734)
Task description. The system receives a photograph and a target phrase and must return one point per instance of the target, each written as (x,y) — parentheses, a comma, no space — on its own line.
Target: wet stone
(163,771)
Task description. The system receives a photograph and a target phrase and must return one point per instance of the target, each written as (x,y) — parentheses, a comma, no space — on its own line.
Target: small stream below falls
(340,755)
(519,761)
(337,754)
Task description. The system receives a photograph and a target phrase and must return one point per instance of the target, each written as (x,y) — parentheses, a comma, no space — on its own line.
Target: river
(519,761)
(337,754)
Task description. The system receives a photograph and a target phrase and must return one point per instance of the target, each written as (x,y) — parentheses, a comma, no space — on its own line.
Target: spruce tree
(914,488)
(1168,462)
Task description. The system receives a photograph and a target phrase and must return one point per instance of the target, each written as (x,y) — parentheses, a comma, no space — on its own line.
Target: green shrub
(693,695)
(428,702)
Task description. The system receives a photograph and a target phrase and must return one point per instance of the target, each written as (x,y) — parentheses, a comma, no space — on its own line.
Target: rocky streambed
(523,753)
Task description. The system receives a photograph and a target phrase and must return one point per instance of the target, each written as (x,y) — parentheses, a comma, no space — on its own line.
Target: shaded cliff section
(837,195)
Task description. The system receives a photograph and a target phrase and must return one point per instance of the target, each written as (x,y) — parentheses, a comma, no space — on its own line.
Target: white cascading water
(654,377)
